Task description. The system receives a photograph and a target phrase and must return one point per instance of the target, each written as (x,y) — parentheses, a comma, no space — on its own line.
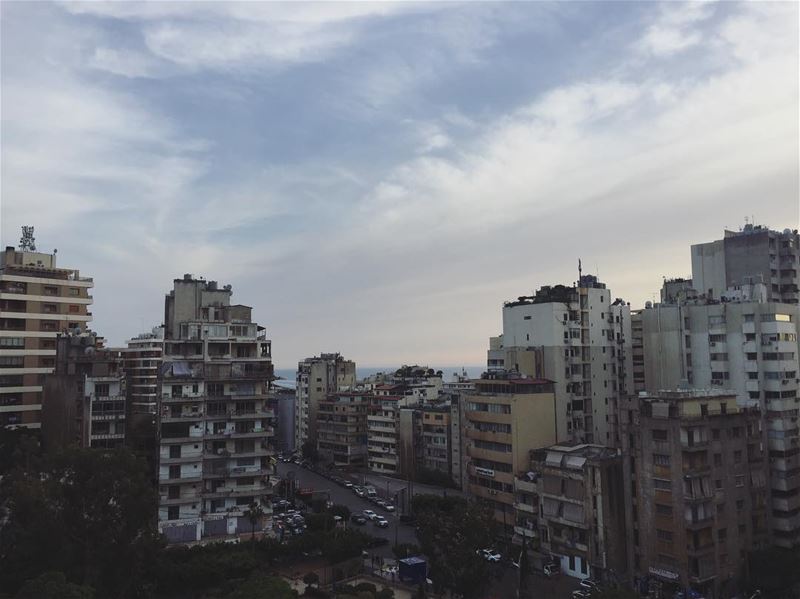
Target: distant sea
(289,375)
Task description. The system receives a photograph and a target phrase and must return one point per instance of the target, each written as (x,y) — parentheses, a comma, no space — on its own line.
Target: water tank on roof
(648,305)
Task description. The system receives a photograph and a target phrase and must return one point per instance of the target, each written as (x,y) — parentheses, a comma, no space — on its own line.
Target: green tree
(311,579)
(450,532)
(403,550)
(309,451)
(86,513)
(261,586)
(254,514)
(53,585)
(340,510)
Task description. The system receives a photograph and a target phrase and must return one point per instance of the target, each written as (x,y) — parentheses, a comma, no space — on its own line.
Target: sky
(377,178)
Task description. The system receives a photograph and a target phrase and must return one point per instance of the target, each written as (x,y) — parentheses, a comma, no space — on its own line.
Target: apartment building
(755,254)
(84,400)
(142,358)
(581,496)
(38,301)
(580,338)
(317,377)
(216,431)
(383,432)
(506,417)
(746,346)
(342,428)
(698,498)
(436,437)
(285,403)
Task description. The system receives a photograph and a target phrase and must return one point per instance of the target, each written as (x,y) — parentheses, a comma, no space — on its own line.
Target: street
(402,533)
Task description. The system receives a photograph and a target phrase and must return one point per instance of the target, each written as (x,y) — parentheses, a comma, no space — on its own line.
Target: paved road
(343,496)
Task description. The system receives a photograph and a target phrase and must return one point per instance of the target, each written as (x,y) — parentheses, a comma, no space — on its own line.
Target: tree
(776,572)
(254,513)
(260,586)
(340,510)
(404,550)
(451,529)
(53,585)
(311,579)
(86,513)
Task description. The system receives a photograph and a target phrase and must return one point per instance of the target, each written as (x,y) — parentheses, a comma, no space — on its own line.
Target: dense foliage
(450,531)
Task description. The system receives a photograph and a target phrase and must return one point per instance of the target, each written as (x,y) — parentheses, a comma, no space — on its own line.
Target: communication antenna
(27,243)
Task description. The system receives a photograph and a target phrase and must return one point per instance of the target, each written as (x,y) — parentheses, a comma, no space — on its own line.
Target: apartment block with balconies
(38,301)
(581,509)
(216,428)
(698,496)
(506,417)
(342,428)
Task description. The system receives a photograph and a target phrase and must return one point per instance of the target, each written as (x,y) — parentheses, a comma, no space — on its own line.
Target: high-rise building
(142,361)
(755,254)
(216,431)
(317,377)
(506,417)
(698,498)
(579,338)
(38,301)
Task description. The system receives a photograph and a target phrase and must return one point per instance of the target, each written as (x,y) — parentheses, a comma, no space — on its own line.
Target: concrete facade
(582,510)
(505,418)
(342,429)
(698,499)
(317,377)
(38,301)
(216,430)
(755,254)
(581,339)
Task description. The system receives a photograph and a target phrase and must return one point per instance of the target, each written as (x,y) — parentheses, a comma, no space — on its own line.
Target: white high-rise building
(579,338)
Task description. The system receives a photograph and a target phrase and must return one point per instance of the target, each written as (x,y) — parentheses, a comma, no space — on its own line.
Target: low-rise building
(582,509)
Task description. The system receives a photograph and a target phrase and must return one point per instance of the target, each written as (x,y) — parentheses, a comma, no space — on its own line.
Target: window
(173,512)
(12,342)
(662,485)
(74,309)
(663,510)
(660,434)
(74,291)
(749,317)
(737,456)
(715,434)
(739,505)
(718,484)
(664,535)
(101,390)
(717,459)
(740,480)
(722,534)
(661,459)
(50,290)
(49,308)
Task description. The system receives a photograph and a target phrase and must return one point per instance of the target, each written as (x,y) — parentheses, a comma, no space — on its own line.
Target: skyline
(384,176)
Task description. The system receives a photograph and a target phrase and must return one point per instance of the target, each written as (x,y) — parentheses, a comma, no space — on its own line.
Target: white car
(381,522)
(388,507)
(490,555)
(369,514)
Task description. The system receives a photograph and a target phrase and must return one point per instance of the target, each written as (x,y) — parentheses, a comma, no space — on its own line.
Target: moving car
(369,514)
(388,507)
(380,522)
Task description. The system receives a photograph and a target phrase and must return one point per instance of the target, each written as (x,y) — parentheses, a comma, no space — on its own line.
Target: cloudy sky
(376,179)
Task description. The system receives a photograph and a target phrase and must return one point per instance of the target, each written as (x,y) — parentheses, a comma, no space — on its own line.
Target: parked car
(348,484)
(590,585)
(380,522)
(360,492)
(388,507)
(581,595)
(370,515)
(490,555)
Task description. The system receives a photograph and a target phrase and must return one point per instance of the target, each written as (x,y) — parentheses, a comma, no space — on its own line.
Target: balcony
(184,417)
(699,522)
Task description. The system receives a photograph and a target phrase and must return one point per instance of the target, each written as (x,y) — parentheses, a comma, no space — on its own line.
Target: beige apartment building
(505,418)
(342,428)
(38,301)
(317,377)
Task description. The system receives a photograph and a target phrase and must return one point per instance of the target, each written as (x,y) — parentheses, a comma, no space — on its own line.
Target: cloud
(676,29)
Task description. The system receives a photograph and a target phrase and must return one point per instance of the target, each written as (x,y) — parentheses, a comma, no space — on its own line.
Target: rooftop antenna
(27,243)
(580,272)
